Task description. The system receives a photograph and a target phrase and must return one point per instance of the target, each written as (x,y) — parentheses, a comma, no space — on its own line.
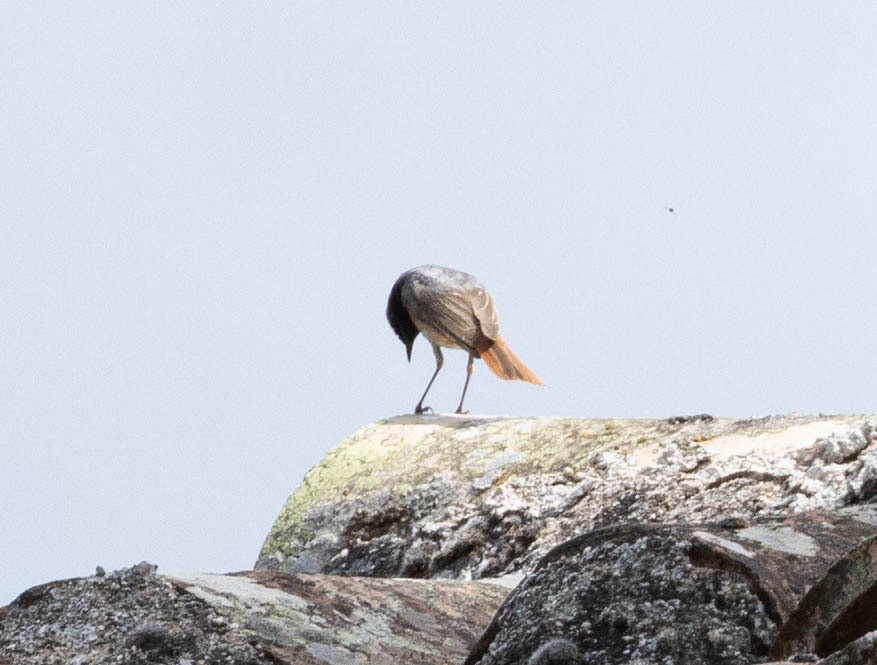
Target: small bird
(452,310)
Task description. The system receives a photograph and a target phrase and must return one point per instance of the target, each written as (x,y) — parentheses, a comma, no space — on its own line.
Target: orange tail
(505,364)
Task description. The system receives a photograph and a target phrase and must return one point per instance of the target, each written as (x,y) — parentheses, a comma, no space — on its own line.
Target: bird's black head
(398,317)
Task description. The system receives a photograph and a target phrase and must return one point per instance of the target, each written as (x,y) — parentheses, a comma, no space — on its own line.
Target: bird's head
(399,318)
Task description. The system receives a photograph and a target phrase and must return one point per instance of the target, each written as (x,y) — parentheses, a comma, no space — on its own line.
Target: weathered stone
(465,497)
(556,651)
(787,557)
(701,540)
(640,593)
(838,609)
(131,616)
(254,618)
(631,594)
(316,619)
(861,652)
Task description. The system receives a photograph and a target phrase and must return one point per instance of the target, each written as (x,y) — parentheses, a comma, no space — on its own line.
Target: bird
(453,310)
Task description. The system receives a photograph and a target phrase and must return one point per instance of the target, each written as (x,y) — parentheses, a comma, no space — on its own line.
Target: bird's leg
(469,367)
(439,361)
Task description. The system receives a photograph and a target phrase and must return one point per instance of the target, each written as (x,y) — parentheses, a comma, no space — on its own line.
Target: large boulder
(695,540)
(467,497)
(710,594)
(136,616)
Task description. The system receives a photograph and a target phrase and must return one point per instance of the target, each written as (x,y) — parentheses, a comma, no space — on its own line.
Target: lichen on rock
(470,498)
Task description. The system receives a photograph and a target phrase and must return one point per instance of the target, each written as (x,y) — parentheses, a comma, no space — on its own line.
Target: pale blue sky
(204,206)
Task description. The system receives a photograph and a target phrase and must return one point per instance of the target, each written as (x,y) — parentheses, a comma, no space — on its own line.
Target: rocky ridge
(686,540)
(466,498)
(135,616)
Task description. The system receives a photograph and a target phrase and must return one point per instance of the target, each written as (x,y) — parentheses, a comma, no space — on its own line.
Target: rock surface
(130,616)
(640,593)
(634,596)
(135,616)
(687,540)
(466,497)
(838,608)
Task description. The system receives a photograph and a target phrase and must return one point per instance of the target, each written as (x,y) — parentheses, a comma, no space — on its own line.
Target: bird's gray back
(454,304)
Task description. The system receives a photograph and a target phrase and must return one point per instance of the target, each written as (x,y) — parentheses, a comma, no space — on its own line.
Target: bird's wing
(464,315)
(485,312)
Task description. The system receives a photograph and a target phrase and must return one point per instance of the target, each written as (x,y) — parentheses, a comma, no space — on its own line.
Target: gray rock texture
(636,597)
(135,616)
(467,497)
(130,616)
(650,593)
(838,608)
(862,651)
(686,540)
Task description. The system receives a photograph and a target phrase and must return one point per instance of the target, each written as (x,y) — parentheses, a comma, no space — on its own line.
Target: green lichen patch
(401,453)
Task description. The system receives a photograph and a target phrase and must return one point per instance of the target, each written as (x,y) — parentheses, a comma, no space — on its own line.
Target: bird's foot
(420,410)
(460,411)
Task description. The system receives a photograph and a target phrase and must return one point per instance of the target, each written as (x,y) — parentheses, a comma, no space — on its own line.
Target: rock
(133,615)
(556,651)
(467,497)
(137,616)
(650,593)
(688,540)
(634,594)
(861,652)
(787,557)
(322,619)
(838,609)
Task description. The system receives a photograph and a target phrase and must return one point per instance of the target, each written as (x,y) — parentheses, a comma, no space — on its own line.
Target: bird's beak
(408,346)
